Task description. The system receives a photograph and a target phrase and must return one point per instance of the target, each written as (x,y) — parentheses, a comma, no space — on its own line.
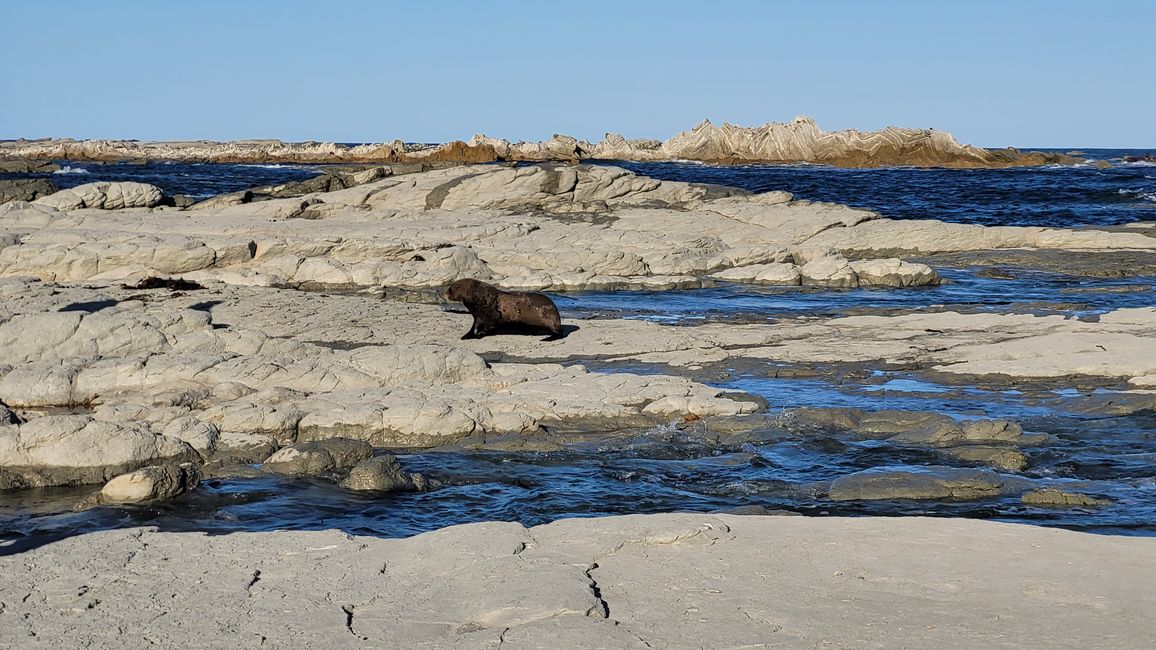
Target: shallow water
(665,469)
(963,290)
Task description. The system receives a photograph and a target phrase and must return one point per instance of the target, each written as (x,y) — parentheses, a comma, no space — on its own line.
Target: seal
(492,307)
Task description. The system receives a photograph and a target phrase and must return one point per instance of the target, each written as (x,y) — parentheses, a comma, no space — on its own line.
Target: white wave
(275,166)
(1140,194)
(1140,163)
(71,170)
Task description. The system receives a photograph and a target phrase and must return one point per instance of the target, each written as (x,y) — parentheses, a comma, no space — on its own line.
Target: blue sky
(1020,73)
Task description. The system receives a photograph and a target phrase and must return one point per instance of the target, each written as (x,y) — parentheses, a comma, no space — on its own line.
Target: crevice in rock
(252,581)
(635,635)
(602,608)
(348,609)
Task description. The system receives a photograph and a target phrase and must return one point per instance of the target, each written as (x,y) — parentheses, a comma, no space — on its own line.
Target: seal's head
(460,289)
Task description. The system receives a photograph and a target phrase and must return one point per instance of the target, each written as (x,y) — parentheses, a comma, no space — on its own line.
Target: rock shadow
(91,306)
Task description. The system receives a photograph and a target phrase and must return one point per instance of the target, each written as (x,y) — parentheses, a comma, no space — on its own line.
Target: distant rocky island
(798,141)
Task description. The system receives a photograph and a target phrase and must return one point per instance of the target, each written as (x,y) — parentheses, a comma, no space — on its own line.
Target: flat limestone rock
(663,581)
(73,449)
(532,227)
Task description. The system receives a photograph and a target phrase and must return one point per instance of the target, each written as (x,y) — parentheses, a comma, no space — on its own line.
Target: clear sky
(994,73)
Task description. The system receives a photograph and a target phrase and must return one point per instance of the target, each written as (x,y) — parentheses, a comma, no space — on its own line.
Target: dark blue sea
(664,469)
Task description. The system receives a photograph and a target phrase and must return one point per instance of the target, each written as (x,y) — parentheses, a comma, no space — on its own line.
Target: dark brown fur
(492,307)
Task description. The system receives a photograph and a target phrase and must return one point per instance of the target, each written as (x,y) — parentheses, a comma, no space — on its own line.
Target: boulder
(319,457)
(382,474)
(153,483)
(830,271)
(104,195)
(893,272)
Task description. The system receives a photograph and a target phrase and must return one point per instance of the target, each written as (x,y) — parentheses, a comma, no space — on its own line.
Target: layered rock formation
(800,140)
(536,227)
(176,373)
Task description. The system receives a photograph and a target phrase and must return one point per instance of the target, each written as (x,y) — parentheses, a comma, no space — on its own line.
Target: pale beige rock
(664,581)
(800,140)
(245,447)
(103,195)
(831,271)
(783,274)
(70,449)
(497,224)
(154,483)
(893,272)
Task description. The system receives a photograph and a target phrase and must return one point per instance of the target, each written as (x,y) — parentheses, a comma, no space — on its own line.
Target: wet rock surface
(939,483)
(153,483)
(382,474)
(320,457)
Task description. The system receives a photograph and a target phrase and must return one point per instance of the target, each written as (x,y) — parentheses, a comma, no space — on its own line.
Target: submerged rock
(382,474)
(916,428)
(929,483)
(1057,497)
(1008,459)
(154,483)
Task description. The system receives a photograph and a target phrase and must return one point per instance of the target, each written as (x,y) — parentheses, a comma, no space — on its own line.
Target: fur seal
(492,307)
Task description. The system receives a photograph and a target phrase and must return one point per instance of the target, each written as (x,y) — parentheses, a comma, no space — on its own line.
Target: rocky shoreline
(798,141)
(187,375)
(146,346)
